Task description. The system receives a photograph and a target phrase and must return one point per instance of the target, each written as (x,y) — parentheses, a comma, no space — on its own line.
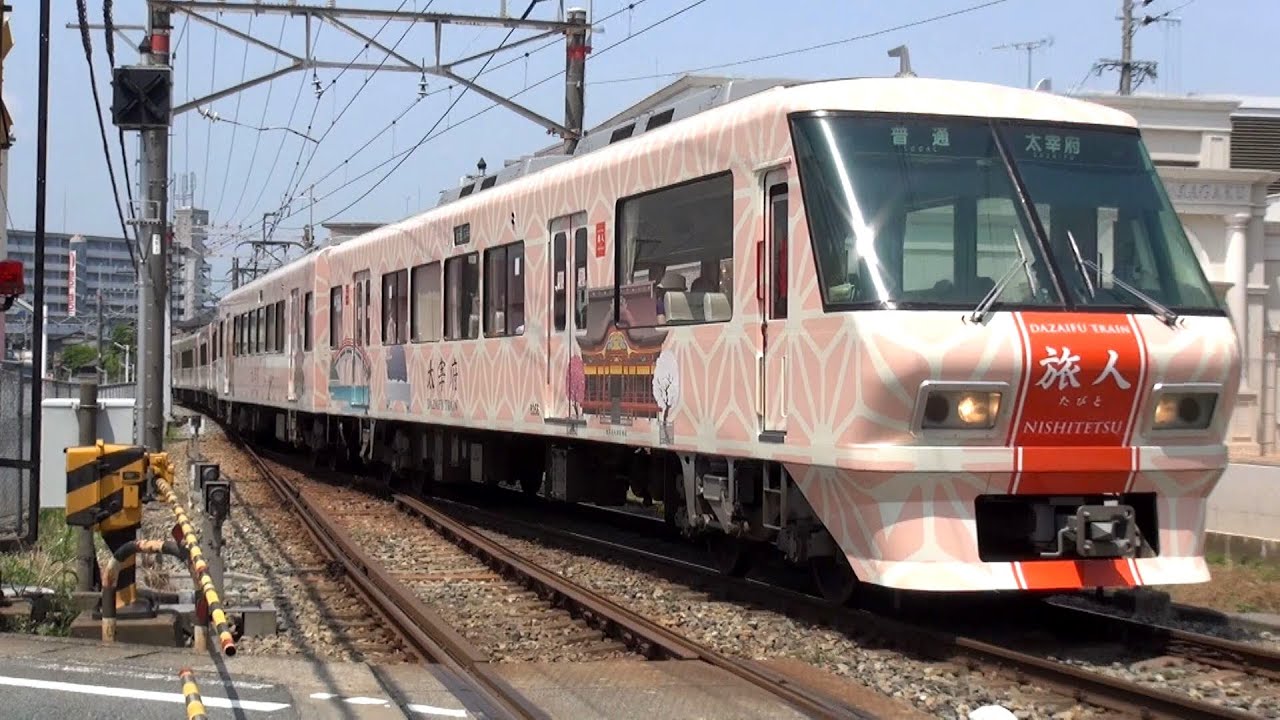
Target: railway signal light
(217,499)
(206,473)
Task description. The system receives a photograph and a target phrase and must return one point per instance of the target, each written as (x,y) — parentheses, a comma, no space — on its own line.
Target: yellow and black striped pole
(191,693)
(199,568)
(121,560)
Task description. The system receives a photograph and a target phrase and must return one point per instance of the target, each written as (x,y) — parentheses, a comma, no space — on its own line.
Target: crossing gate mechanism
(106,488)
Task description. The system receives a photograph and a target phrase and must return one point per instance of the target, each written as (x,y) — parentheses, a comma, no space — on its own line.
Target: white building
(1219,158)
(189,292)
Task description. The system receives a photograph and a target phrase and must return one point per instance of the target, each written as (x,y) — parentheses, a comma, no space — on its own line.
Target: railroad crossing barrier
(106,488)
(191,693)
(184,532)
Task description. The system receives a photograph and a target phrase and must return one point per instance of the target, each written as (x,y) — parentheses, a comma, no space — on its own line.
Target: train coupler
(1098,531)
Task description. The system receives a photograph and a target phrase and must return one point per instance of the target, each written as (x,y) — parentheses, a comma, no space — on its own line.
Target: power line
(797,51)
(102,128)
(257,140)
(109,32)
(439,120)
(432,134)
(352,100)
(484,71)
(235,115)
(208,136)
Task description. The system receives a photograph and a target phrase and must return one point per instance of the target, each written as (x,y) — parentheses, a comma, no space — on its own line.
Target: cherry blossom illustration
(666,391)
(575,385)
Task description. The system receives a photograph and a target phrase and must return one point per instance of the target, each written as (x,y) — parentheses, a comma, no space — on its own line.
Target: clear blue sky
(1221,46)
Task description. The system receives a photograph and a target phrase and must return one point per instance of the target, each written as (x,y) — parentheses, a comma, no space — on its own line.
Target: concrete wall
(60,429)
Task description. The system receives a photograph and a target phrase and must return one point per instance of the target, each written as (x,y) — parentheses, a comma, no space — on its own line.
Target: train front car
(1011,348)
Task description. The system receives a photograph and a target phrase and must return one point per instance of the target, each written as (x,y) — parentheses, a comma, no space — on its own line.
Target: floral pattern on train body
(899,505)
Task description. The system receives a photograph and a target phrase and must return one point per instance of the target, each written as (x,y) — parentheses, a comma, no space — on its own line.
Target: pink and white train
(924,334)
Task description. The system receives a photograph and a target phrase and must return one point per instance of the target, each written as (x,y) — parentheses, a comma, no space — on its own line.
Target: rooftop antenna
(904,61)
(1030,46)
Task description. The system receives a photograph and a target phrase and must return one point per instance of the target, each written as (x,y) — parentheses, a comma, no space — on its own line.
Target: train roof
(695,101)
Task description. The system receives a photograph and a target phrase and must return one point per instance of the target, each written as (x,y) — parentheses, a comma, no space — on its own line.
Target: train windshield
(915,211)
(1108,220)
(923,211)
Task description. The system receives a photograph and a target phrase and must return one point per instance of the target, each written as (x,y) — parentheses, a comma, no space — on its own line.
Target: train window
(235,336)
(778,242)
(308,313)
(260,333)
(204,354)
(559,287)
(426,308)
(580,279)
(335,316)
(395,307)
(914,211)
(677,254)
(270,337)
(462,297)
(504,290)
(363,309)
(280,326)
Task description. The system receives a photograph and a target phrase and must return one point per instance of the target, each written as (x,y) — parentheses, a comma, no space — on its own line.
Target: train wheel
(731,555)
(835,578)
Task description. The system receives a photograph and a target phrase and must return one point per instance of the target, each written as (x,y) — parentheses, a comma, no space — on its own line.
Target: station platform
(62,677)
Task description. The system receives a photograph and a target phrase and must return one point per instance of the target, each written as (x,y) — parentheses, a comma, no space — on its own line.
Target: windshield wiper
(1167,316)
(1022,263)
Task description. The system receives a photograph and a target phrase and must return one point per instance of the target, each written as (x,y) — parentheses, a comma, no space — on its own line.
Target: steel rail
(423,630)
(1083,685)
(1198,647)
(633,626)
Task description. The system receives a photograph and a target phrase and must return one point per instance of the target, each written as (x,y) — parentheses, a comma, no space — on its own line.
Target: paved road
(58,689)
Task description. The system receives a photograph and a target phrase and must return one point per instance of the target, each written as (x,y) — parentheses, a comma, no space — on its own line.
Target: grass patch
(50,564)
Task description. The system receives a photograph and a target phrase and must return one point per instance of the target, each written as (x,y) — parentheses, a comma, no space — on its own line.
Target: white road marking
(136,694)
(418,708)
(137,675)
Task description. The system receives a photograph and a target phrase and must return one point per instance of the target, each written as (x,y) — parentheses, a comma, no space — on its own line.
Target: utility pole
(1132,72)
(1126,49)
(155,195)
(576,49)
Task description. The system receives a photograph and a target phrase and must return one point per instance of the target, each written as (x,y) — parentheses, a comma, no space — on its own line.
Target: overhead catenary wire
(257,139)
(208,136)
(235,115)
(797,51)
(83,14)
(440,119)
(628,7)
(338,116)
(431,133)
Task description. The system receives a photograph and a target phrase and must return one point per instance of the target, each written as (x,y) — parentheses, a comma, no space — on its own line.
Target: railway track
(1111,693)
(434,639)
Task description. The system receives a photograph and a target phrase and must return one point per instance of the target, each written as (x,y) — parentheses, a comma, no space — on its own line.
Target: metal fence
(15,445)
(71,389)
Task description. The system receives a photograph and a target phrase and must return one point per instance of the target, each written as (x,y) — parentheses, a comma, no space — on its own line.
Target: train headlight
(960,410)
(1184,411)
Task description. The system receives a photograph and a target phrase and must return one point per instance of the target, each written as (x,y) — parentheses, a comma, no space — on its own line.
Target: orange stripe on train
(1086,372)
(1075,574)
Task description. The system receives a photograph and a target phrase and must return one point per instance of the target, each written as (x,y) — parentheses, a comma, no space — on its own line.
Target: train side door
(773,289)
(567,310)
(228,357)
(290,317)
